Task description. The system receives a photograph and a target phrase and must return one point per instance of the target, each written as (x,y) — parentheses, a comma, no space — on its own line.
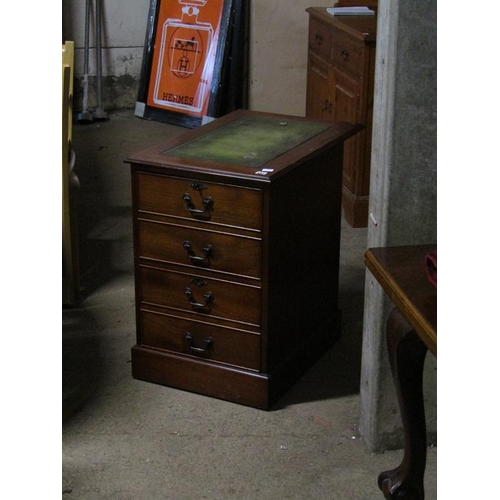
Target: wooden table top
(401,273)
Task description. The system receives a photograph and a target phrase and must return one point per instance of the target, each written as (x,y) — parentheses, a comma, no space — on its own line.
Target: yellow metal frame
(70,271)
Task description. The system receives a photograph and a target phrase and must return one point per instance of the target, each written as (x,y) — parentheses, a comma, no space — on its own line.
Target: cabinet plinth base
(355,209)
(229,383)
(218,381)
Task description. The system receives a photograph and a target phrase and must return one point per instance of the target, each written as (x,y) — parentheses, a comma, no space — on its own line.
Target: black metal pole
(99,113)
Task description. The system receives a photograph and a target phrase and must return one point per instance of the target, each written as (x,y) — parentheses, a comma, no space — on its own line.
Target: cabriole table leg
(407,355)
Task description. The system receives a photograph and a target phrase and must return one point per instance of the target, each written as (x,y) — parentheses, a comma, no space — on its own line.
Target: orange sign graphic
(184,55)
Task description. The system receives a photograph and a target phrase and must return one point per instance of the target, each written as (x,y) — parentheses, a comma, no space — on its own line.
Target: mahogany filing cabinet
(236,238)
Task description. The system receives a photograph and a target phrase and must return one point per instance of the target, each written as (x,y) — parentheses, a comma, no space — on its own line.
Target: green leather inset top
(251,141)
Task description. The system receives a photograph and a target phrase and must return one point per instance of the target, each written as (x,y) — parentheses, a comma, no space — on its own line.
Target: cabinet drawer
(200,340)
(202,201)
(320,38)
(347,53)
(198,294)
(200,249)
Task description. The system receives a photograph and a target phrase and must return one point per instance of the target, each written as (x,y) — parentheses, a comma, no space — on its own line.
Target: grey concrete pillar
(402,195)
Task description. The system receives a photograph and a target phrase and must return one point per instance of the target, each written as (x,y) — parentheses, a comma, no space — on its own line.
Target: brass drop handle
(345,55)
(208,251)
(327,106)
(208,344)
(208,297)
(208,204)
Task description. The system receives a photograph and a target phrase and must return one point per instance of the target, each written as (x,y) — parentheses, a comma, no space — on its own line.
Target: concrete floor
(125,439)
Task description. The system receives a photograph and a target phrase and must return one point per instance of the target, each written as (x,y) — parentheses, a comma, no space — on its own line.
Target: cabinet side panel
(304,236)
(137,277)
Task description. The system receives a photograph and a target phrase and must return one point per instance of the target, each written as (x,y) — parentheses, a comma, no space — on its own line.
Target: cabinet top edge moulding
(273,150)
(361,27)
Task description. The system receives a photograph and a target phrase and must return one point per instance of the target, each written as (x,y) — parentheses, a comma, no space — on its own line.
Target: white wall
(278,55)
(278,50)
(124,30)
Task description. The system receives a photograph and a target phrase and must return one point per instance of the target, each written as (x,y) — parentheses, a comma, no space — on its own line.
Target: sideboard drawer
(200,340)
(320,38)
(199,294)
(203,201)
(197,248)
(347,53)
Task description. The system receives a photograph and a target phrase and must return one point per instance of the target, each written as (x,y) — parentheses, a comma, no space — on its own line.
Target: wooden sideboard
(340,85)
(236,237)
